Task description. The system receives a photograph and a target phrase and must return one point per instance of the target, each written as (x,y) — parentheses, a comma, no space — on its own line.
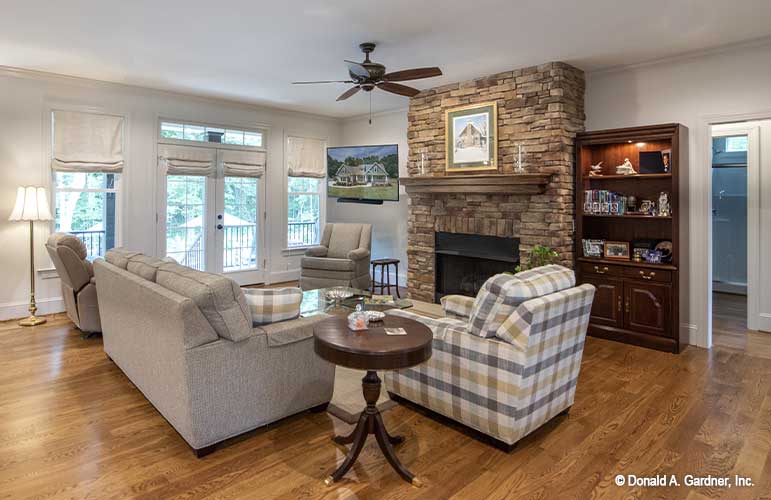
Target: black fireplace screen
(465,261)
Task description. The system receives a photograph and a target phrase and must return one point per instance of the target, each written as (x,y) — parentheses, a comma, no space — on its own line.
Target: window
(86,207)
(204,133)
(304,212)
(736,144)
(185,229)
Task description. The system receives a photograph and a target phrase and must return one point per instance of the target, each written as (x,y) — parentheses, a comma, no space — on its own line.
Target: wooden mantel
(491,183)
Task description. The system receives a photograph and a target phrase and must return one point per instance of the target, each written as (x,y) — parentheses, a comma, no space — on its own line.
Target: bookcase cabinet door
(648,308)
(607,306)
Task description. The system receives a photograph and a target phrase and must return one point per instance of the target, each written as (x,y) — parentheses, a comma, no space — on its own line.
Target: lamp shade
(31,205)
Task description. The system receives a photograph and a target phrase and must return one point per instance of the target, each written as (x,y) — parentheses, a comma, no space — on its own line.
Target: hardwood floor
(729,326)
(73,426)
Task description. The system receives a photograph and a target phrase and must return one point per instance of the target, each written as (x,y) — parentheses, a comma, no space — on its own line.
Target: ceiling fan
(367,75)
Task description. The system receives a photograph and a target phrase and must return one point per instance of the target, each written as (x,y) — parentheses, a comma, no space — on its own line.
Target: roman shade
(87,142)
(305,157)
(242,163)
(187,160)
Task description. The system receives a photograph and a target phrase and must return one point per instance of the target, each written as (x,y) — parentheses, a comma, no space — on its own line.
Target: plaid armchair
(506,362)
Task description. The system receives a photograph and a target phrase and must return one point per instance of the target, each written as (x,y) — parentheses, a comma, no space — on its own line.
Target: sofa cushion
(271,305)
(503,293)
(144,266)
(457,306)
(289,332)
(119,256)
(344,238)
(327,264)
(220,299)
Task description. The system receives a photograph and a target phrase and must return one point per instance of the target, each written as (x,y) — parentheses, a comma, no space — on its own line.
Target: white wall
(389,220)
(24,99)
(722,86)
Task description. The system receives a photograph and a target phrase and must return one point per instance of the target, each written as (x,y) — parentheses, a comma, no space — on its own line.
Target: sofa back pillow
(271,305)
(503,293)
(144,266)
(119,256)
(220,299)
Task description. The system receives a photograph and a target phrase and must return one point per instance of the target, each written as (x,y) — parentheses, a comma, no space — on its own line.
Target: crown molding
(696,54)
(31,74)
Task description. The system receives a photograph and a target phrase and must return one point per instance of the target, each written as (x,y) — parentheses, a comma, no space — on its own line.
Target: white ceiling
(252,50)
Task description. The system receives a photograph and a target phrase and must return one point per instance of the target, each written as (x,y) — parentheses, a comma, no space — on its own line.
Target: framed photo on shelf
(593,248)
(616,250)
(472,138)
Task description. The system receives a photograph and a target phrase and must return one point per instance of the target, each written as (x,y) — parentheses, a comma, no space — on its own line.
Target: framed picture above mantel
(472,138)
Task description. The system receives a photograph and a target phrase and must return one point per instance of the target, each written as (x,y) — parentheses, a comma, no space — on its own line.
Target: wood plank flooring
(73,426)
(729,326)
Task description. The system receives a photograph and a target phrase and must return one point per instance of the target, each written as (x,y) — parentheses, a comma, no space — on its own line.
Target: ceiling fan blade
(348,93)
(396,88)
(412,74)
(357,69)
(323,81)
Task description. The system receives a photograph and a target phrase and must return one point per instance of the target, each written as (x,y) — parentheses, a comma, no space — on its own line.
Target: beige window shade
(306,157)
(242,163)
(187,160)
(87,142)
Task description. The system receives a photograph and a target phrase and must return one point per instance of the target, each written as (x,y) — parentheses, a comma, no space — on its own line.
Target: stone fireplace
(541,108)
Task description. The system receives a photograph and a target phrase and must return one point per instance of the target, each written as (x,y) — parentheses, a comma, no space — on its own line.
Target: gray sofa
(342,258)
(186,341)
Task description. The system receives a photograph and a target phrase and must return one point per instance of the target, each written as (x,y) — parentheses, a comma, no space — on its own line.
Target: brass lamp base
(32,321)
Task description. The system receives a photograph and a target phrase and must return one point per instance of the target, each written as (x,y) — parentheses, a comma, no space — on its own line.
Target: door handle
(619,303)
(627,306)
(219,226)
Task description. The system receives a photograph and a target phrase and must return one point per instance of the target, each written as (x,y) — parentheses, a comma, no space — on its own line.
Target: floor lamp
(31,205)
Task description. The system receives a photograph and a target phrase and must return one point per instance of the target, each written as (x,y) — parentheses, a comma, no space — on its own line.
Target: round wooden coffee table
(372,350)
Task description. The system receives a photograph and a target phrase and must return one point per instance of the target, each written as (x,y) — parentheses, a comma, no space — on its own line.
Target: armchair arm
(458,306)
(317,251)
(358,254)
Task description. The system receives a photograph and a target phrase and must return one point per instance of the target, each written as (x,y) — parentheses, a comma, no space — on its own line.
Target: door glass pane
(185,209)
(240,221)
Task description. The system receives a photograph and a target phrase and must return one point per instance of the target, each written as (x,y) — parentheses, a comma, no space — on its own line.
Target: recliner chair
(342,259)
(68,254)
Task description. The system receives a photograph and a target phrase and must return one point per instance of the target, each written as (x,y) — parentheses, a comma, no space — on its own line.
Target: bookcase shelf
(635,302)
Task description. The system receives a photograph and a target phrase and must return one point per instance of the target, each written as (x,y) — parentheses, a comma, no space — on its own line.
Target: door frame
(700,227)
(753,212)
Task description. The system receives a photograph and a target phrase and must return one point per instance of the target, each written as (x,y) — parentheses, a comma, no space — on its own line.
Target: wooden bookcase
(635,302)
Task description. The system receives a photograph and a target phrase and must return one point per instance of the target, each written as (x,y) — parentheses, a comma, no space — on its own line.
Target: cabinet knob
(648,276)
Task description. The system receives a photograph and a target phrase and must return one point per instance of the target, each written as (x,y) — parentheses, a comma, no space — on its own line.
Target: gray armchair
(68,254)
(342,259)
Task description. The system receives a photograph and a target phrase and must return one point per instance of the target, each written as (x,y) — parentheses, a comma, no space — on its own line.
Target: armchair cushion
(289,332)
(344,238)
(119,256)
(317,251)
(457,306)
(327,264)
(271,305)
(359,254)
(503,293)
(144,266)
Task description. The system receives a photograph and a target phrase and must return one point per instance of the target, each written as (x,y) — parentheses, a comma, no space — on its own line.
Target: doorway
(735,267)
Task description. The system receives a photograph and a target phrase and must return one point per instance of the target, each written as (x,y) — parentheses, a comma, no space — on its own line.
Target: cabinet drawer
(589,269)
(660,275)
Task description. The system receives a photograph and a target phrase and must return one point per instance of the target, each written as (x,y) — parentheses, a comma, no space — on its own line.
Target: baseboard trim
(283,276)
(689,334)
(16,310)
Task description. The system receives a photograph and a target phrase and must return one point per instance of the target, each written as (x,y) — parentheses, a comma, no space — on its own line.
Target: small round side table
(385,282)
(372,350)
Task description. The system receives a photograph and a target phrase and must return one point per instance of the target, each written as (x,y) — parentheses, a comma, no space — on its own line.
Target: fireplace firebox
(465,261)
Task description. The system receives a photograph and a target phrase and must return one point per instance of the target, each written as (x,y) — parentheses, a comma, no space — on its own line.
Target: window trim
(260,129)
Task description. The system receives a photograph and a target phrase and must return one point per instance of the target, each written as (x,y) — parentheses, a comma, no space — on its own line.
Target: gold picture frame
(471,138)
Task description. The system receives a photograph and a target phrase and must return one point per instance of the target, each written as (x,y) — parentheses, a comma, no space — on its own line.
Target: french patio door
(214,223)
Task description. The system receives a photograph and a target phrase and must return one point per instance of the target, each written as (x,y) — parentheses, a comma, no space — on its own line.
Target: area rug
(348,400)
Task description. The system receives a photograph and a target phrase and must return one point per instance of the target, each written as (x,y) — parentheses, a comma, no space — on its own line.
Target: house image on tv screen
(363,172)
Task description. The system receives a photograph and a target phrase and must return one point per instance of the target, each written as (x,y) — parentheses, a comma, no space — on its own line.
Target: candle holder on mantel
(421,165)
(519,167)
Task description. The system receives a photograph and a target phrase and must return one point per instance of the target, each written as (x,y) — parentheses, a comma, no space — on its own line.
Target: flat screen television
(363,173)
